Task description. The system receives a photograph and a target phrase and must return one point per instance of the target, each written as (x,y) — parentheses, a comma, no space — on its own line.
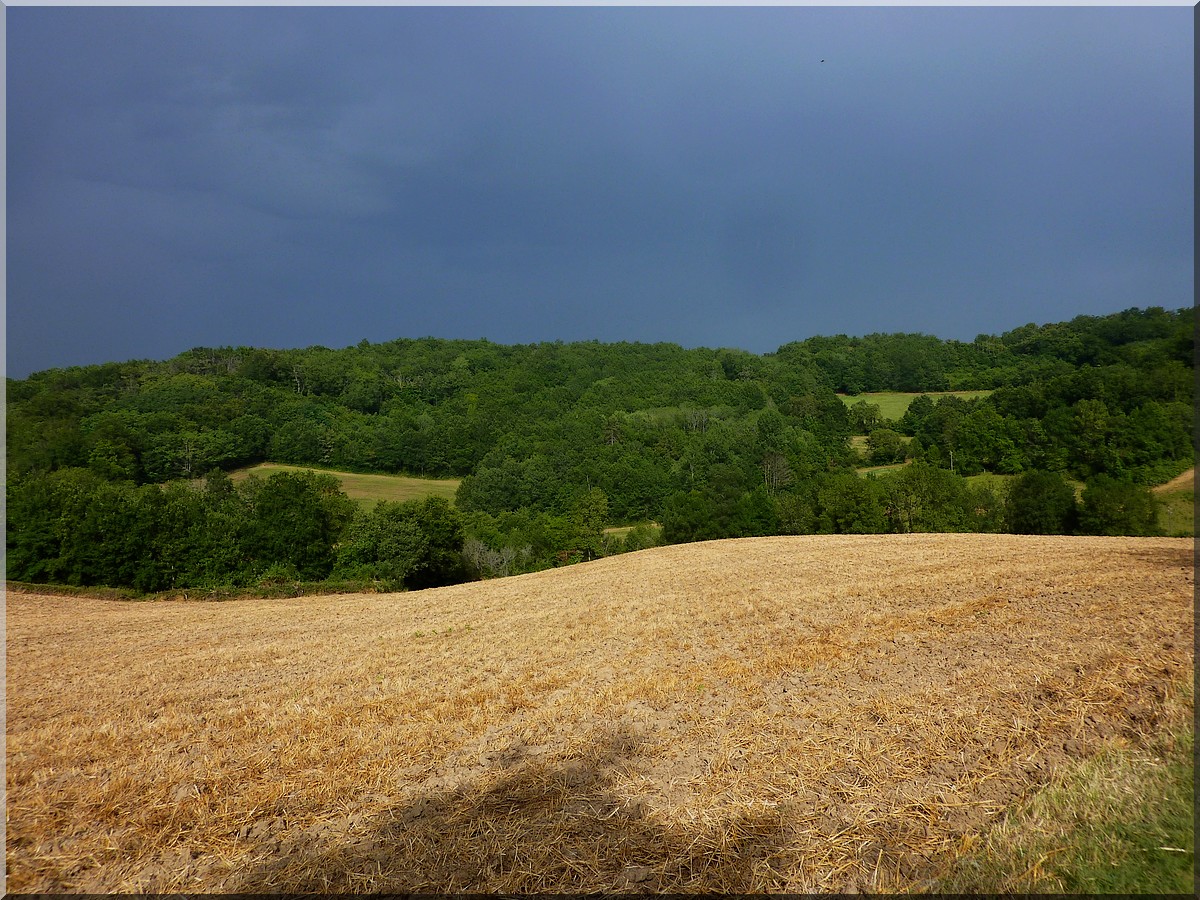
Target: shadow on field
(1182,557)
(523,824)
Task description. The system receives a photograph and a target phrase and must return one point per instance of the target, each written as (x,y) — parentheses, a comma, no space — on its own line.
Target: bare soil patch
(773,714)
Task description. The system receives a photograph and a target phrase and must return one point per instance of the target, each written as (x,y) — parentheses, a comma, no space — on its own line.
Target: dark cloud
(281,177)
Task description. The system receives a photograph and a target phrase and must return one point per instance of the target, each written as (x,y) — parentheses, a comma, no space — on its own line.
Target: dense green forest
(116,471)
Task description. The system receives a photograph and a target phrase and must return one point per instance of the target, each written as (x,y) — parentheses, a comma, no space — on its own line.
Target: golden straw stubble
(768,714)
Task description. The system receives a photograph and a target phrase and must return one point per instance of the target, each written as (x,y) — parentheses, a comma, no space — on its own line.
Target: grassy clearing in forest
(366,489)
(893,404)
(622,531)
(883,470)
(1177,509)
(748,716)
(990,479)
(1177,514)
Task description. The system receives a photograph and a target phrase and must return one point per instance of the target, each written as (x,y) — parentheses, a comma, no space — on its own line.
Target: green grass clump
(1121,822)
(1150,849)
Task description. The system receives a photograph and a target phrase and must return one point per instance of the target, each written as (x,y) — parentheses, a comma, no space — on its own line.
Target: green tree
(756,515)
(1091,446)
(385,544)
(918,412)
(35,507)
(413,544)
(985,440)
(74,554)
(770,427)
(924,498)
(865,417)
(641,537)
(296,520)
(166,552)
(985,509)
(796,512)
(850,505)
(588,517)
(689,517)
(885,446)
(1041,503)
(1117,508)
(443,527)
(113,460)
(221,556)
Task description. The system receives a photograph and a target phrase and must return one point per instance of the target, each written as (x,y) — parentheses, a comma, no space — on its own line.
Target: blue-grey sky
(735,177)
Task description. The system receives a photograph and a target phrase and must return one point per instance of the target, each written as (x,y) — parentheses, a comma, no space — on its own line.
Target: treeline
(75,528)
(436,407)
(72,527)
(918,498)
(552,438)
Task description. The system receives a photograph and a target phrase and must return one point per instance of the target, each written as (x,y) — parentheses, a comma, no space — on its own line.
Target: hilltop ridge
(552,443)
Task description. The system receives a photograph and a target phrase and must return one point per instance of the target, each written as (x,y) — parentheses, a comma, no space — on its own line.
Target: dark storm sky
(735,177)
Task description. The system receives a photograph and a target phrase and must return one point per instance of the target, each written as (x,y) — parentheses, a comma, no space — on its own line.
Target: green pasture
(883,470)
(366,489)
(1177,514)
(997,482)
(622,531)
(893,404)
(1177,505)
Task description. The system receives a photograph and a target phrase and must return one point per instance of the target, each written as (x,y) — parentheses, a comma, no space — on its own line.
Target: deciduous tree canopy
(554,441)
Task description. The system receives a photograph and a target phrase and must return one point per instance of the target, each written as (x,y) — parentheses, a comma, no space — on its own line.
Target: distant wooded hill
(707,442)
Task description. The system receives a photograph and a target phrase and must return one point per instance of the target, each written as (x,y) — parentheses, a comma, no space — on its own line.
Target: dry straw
(775,714)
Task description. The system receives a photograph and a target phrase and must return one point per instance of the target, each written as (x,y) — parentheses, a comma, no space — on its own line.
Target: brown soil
(776,714)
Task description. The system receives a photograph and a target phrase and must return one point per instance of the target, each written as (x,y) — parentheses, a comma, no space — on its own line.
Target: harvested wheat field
(770,714)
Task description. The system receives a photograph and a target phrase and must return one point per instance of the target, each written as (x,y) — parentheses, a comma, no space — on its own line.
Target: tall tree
(1113,507)
(1041,503)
